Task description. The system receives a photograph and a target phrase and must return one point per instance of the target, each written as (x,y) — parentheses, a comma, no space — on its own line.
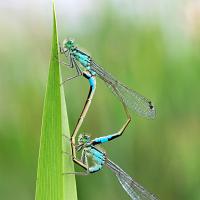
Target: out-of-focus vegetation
(162,154)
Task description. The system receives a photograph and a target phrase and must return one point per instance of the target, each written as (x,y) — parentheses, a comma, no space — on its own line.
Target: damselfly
(130,98)
(89,69)
(88,149)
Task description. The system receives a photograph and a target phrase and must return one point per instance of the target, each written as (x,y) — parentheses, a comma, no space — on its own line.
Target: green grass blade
(69,182)
(51,184)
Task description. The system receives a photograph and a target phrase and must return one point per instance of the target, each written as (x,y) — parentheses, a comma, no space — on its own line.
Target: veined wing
(134,190)
(130,98)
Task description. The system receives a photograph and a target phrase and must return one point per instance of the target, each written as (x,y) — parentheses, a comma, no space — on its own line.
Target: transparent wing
(133,100)
(134,190)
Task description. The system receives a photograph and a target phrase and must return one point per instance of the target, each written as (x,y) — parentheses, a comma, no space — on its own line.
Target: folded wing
(133,100)
(133,189)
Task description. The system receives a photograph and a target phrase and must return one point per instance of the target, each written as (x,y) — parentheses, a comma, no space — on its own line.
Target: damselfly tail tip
(152,110)
(151,105)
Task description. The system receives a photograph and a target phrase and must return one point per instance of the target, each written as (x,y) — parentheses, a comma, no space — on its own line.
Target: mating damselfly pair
(86,67)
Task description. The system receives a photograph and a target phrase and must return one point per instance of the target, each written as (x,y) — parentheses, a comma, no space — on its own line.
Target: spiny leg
(72,64)
(70,78)
(83,162)
(66,53)
(76,65)
(95,168)
(62,51)
(61,48)
(78,70)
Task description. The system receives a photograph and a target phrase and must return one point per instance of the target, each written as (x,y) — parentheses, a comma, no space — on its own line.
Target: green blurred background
(151,46)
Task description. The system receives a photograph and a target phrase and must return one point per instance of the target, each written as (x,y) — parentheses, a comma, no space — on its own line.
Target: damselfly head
(83,139)
(68,44)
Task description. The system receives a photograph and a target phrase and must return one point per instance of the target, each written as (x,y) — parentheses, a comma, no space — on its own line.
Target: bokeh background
(152,46)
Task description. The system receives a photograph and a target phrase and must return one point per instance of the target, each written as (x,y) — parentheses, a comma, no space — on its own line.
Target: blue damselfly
(88,149)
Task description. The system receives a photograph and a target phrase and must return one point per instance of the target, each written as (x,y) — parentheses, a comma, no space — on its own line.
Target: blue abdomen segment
(97,156)
(95,168)
(91,79)
(104,139)
(82,58)
(92,82)
(99,159)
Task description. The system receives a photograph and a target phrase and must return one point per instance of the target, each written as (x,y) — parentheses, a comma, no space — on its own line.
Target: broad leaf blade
(51,183)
